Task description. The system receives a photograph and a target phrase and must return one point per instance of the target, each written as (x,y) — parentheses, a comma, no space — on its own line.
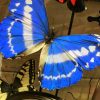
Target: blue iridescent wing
(25,28)
(67,56)
(32,9)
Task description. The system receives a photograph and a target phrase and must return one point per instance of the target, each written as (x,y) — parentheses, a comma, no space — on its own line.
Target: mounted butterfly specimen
(62,59)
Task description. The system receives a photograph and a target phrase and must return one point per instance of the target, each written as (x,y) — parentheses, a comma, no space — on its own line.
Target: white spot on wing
(92,60)
(97,35)
(84,51)
(13,10)
(17,4)
(28,8)
(98,40)
(98,54)
(28,1)
(87,65)
(92,48)
(78,53)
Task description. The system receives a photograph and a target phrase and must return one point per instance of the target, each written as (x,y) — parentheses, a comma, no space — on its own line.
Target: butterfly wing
(84,49)
(32,9)
(24,29)
(67,56)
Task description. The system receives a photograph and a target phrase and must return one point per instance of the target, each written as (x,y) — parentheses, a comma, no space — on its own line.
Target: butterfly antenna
(52,31)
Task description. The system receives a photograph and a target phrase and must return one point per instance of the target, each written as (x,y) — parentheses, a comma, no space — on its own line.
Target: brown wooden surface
(3,8)
(58,14)
(96,95)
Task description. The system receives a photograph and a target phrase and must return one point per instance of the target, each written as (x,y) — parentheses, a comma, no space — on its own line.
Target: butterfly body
(49,38)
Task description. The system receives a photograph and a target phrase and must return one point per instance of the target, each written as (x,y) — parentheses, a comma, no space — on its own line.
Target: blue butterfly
(62,59)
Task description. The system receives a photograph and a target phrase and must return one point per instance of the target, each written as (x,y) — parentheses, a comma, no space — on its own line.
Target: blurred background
(59,18)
